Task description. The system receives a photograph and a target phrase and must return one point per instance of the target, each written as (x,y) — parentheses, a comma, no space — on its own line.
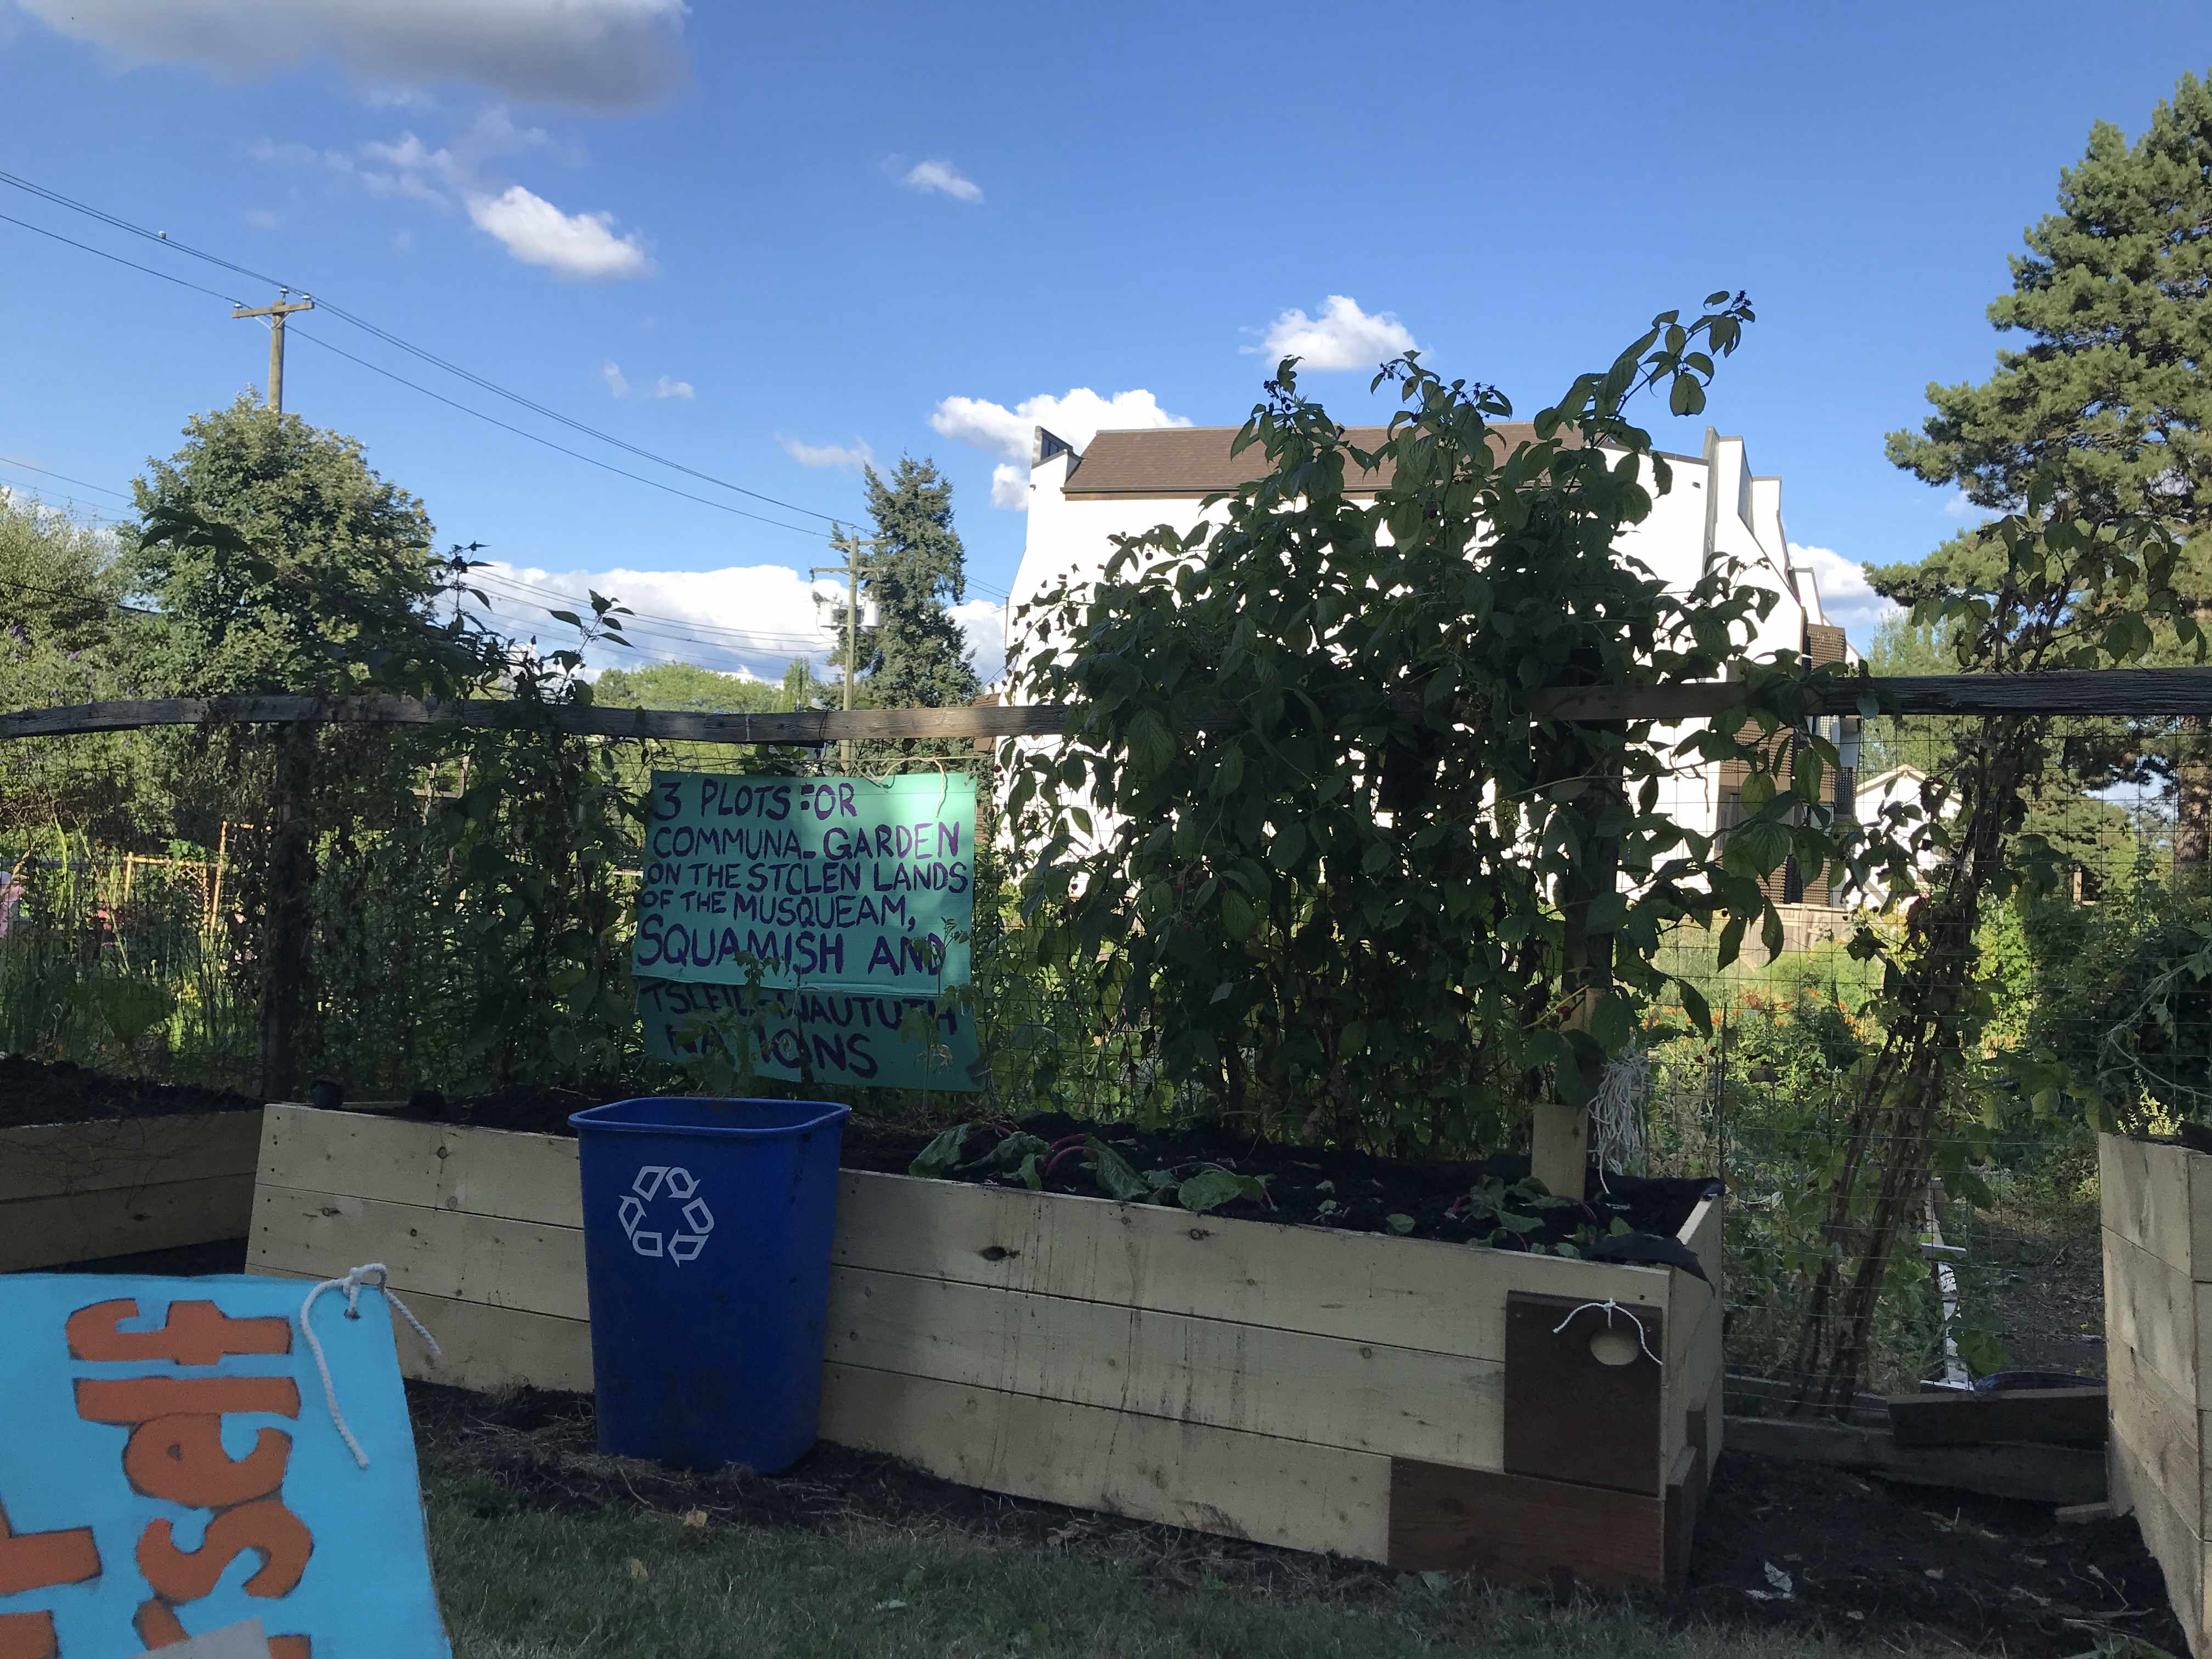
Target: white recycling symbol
(675,1182)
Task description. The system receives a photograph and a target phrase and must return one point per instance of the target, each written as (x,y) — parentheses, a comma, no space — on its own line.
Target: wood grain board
(2156,1200)
(1319,1389)
(44,1160)
(484,1347)
(75,1227)
(80,1192)
(1262,1487)
(1246,1378)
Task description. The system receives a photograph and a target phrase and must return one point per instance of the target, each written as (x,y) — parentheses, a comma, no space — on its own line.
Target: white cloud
(618,384)
(591,54)
(984,623)
(581,245)
(846,457)
(751,619)
(262,218)
(1850,601)
(1342,336)
(943,176)
(1078,415)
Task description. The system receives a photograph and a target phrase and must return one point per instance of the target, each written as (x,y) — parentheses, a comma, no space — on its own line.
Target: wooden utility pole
(277,314)
(849,545)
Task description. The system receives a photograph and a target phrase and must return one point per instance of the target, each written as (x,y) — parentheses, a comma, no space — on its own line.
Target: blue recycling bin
(707,1229)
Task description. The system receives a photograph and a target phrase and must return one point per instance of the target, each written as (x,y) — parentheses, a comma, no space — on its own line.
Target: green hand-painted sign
(820,921)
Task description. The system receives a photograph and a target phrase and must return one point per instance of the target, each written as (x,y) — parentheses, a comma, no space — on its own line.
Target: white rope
(1609,1307)
(351,1286)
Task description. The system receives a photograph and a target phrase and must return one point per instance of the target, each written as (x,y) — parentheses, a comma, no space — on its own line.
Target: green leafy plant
(1345,878)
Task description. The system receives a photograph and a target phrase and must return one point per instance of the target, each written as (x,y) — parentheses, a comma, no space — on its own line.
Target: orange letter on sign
(142,1399)
(266,1525)
(182,1459)
(27,1635)
(195,1333)
(39,1560)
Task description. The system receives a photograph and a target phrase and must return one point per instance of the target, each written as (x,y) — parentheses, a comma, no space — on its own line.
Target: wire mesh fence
(151,964)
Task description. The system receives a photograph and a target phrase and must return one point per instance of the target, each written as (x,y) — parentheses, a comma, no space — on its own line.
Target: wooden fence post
(287,912)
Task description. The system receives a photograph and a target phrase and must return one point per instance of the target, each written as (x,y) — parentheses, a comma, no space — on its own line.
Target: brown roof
(1194,460)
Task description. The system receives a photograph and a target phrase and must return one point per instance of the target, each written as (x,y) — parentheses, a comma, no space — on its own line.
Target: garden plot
(1395,1400)
(94,1167)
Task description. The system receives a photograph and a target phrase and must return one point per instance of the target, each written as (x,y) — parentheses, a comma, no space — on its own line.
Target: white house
(1125,482)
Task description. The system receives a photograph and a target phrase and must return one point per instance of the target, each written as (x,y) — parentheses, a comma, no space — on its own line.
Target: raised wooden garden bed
(1395,1400)
(80,1192)
(2157,1206)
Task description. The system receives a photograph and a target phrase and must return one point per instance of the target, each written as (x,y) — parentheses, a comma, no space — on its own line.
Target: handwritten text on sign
(170,1469)
(827,915)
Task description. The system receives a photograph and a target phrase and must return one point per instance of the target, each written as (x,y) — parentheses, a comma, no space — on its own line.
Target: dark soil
(1862,1561)
(1325,1188)
(31,1092)
(1330,1189)
(1862,1557)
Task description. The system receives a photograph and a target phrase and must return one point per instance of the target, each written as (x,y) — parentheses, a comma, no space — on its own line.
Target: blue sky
(763,240)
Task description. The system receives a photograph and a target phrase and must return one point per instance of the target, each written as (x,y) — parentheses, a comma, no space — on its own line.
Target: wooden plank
(526,1265)
(1321,1391)
(1702,1232)
(2049,1417)
(56,1232)
(521,1177)
(2068,691)
(2163,1431)
(2144,1194)
(2173,1543)
(2098,691)
(600,720)
(1516,1529)
(486,1347)
(41,1160)
(2041,1475)
(1188,1474)
(1365,1288)
(2151,1306)
(1571,1414)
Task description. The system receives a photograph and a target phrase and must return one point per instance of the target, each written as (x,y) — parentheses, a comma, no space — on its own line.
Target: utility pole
(277,314)
(849,545)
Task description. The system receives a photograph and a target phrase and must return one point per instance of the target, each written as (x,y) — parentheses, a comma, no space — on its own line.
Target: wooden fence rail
(2124,691)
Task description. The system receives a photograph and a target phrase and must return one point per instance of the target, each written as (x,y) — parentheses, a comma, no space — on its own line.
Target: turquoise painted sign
(818,922)
(169,1467)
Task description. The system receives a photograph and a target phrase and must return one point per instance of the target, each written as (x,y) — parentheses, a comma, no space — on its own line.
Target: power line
(41,230)
(9,461)
(119,224)
(520,432)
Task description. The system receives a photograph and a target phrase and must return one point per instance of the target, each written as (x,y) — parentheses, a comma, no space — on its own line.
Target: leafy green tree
(2110,396)
(284,563)
(68,636)
(914,570)
(802,688)
(687,685)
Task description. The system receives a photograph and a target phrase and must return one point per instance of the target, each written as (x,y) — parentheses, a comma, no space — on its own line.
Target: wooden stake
(1559,1146)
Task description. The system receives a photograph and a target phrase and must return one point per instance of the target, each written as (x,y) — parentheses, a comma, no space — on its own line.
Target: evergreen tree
(2114,299)
(914,653)
(2115,296)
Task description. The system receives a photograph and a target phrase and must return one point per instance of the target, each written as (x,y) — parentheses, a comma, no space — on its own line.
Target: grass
(525,1583)
(544,1549)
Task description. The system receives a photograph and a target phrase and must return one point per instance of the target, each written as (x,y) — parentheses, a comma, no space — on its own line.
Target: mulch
(1781,1545)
